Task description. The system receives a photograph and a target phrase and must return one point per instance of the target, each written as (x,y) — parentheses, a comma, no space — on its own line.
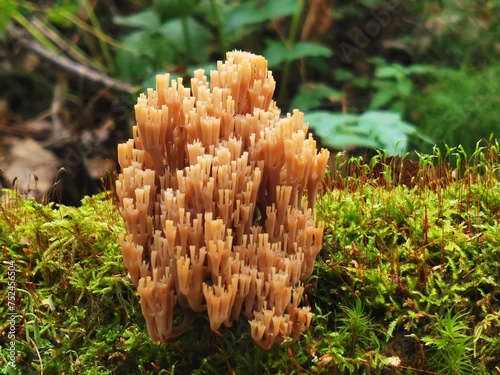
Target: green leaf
(374,129)
(392,132)
(398,107)
(337,130)
(242,16)
(405,86)
(277,52)
(7,11)
(208,13)
(57,13)
(342,74)
(361,82)
(343,141)
(128,63)
(384,118)
(421,69)
(311,95)
(170,9)
(280,8)
(147,19)
(390,71)
(147,52)
(323,121)
(381,98)
(309,49)
(248,13)
(194,44)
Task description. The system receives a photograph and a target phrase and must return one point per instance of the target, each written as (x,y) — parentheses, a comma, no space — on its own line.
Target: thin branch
(70,66)
(67,46)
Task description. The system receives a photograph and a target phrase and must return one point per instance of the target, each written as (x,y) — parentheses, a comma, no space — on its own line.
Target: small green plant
(177,34)
(451,346)
(452,103)
(44,24)
(166,36)
(358,329)
(312,95)
(394,84)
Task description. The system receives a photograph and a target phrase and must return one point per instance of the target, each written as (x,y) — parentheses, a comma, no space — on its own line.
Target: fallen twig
(72,67)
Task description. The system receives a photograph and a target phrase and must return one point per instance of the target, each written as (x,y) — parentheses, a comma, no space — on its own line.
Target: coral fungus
(217,193)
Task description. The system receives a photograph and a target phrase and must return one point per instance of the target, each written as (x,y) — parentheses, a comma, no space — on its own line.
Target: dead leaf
(31,165)
(325,360)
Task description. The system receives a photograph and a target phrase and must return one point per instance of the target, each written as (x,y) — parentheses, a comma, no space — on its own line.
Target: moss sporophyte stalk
(211,191)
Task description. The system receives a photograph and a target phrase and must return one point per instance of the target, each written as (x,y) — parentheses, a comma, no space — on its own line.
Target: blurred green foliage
(434,63)
(372,129)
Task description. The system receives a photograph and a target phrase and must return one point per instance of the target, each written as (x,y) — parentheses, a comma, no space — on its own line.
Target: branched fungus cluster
(217,193)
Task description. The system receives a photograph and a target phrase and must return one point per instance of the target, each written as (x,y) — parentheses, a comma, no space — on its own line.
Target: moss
(407,276)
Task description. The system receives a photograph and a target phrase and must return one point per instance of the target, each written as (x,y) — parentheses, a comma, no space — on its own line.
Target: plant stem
(219,24)
(97,26)
(294,29)
(64,45)
(37,34)
(97,33)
